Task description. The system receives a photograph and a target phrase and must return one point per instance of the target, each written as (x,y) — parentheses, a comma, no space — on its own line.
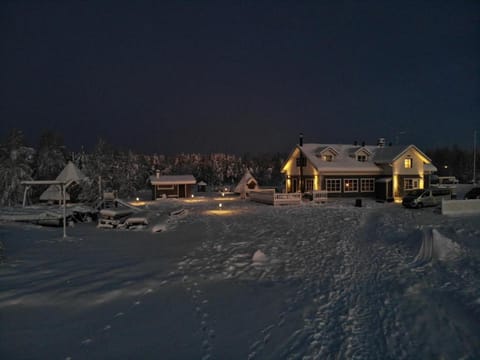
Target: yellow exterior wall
(291,169)
(417,169)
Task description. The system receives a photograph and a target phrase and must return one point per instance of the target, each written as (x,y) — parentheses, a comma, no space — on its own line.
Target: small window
(165,187)
(362,158)
(408,162)
(328,157)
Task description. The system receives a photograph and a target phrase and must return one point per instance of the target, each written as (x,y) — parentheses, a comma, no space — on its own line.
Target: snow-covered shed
(70,175)
(202,186)
(246,184)
(171,185)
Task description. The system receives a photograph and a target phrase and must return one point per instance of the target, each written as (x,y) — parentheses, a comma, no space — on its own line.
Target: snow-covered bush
(15,166)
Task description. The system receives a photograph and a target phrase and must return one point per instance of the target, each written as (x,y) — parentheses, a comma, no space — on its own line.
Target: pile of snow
(159,228)
(259,258)
(436,246)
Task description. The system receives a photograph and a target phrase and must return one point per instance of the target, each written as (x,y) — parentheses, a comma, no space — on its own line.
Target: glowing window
(410,184)
(350,185)
(408,163)
(328,157)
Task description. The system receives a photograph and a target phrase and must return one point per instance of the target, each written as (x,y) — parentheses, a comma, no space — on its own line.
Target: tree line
(455,161)
(126,172)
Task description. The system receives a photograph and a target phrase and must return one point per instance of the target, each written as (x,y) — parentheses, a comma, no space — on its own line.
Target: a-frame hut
(69,175)
(246,184)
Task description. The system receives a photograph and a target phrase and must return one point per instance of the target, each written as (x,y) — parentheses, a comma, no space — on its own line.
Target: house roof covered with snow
(172,179)
(346,157)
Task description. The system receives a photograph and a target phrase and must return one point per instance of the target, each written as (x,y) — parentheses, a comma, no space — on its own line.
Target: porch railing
(320,196)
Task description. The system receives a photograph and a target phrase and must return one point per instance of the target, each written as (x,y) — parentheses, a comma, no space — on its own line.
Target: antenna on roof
(300,139)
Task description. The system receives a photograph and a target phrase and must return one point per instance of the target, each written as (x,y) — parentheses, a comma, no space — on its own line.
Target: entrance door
(182,191)
(294,185)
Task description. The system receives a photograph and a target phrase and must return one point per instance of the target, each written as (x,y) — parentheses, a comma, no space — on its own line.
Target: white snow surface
(341,282)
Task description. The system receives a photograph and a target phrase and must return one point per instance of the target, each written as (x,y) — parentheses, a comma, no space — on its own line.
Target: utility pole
(474,156)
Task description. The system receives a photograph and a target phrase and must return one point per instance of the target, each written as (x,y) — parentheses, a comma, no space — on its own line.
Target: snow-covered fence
(460,207)
(287,199)
(320,196)
(269,196)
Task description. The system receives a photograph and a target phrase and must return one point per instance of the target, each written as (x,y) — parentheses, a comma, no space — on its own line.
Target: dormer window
(326,153)
(362,158)
(361,154)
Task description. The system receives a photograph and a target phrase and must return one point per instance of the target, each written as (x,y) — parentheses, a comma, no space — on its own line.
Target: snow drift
(436,246)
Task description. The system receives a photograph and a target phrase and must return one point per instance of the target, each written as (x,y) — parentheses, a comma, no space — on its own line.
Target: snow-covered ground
(331,281)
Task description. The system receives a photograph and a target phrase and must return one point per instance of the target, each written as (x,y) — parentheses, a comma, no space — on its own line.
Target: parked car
(473,194)
(426,197)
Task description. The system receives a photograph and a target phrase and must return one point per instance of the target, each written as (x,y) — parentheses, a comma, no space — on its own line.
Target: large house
(386,172)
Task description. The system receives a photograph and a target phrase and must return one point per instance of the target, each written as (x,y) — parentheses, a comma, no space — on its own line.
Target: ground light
(227,198)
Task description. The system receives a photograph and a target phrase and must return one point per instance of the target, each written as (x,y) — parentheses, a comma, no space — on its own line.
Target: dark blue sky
(237,76)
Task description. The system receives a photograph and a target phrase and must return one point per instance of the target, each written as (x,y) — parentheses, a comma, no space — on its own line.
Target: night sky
(241,76)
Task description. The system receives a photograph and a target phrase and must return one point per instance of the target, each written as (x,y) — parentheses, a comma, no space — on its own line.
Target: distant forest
(454,161)
(128,172)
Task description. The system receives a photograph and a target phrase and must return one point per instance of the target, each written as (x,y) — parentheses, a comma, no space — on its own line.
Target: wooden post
(64,211)
(27,187)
